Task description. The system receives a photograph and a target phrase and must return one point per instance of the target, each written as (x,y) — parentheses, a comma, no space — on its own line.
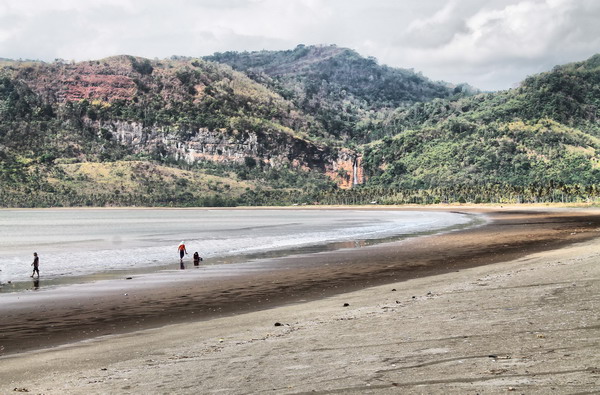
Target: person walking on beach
(182,251)
(36,264)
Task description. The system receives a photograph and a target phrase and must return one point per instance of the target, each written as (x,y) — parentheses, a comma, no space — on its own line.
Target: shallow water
(82,242)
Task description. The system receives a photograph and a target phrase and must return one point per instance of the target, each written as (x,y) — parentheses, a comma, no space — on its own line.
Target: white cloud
(497,46)
(435,30)
(492,44)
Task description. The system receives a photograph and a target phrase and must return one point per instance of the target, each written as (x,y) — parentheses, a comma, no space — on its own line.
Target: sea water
(80,242)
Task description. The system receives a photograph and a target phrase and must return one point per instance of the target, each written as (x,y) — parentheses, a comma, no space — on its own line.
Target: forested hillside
(543,134)
(346,92)
(309,125)
(180,114)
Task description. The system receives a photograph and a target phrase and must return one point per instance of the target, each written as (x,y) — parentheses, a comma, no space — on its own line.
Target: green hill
(282,127)
(346,92)
(543,133)
(183,113)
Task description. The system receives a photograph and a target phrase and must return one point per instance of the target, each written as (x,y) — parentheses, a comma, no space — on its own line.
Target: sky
(490,44)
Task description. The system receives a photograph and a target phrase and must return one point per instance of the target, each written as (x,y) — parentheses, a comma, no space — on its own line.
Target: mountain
(183,113)
(345,92)
(282,127)
(543,133)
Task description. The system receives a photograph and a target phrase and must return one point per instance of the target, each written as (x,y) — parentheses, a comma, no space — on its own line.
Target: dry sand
(529,324)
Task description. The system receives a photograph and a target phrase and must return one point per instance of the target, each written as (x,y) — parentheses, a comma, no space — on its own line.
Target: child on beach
(197,259)
(35,264)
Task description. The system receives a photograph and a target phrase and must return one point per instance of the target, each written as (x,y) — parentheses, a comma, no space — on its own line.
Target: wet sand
(69,316)
(79,312)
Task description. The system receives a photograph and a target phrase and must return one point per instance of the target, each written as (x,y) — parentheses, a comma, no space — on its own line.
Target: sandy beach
(512,305)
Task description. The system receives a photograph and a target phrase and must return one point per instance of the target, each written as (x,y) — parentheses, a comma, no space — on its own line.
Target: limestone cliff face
(343,166)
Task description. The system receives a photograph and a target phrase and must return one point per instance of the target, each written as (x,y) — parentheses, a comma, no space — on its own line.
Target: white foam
(80,242)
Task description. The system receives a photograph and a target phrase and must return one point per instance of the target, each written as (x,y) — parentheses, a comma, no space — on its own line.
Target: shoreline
(528,323)
(75,313)
(25,284)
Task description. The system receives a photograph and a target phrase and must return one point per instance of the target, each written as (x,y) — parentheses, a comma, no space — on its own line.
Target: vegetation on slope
(544,133)
(51,117)
(422,142)
(183,93)
(344,91)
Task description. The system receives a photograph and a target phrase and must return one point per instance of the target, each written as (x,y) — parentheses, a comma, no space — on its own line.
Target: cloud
(436,30)
(492,44)
(503,43)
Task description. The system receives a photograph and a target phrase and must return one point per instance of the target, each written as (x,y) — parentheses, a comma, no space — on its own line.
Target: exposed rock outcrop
(277,150)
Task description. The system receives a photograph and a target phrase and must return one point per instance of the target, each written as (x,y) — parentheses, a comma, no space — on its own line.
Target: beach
(511,305)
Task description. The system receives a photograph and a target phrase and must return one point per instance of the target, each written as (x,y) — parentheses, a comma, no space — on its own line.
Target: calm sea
(81,242)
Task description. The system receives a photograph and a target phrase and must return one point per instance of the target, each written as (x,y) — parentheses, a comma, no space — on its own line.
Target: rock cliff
(273,149)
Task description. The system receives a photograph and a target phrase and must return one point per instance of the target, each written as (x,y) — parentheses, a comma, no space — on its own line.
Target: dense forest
(344,91)
(543,133)
(290,127)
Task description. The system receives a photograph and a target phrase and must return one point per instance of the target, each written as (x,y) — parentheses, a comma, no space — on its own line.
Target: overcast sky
(491,44)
